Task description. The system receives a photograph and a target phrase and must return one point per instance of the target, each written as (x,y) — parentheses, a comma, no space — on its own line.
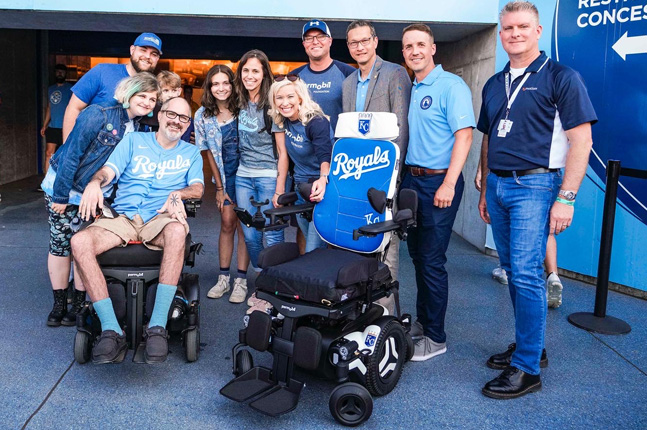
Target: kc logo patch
(364,125)
(426,103)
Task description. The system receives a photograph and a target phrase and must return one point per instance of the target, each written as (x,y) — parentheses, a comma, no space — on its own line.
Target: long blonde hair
(308,108)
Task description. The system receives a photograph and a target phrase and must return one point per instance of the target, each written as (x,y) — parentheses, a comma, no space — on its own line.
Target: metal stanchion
(599,321)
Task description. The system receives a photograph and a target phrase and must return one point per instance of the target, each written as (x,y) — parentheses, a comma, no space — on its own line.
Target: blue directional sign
(606,41)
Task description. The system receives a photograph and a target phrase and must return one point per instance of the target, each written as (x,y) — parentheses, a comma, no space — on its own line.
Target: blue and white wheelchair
(324,317)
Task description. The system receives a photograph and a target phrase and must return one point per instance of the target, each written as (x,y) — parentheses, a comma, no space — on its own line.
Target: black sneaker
(109,348)
(503,359)
(156,344)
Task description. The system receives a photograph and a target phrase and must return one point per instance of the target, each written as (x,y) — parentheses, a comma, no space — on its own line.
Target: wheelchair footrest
(249,384)
(138,356)
(279,400)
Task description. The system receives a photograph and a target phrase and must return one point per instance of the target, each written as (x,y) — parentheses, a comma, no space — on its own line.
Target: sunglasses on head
(290,78)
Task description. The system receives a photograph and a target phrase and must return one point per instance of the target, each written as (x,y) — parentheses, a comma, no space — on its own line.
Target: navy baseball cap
(316,24)
(149,39)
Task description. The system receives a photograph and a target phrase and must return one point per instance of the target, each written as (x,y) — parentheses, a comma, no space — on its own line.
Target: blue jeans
(519,209)
(313,240)
(261,189)
(427,245)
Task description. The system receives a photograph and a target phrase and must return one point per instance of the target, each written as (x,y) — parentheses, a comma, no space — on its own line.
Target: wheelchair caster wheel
(192,344)
(244,362)
(350,404)
(82,347)
(385,363)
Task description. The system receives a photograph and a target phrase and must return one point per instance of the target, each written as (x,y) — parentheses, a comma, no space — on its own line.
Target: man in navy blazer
(377,86)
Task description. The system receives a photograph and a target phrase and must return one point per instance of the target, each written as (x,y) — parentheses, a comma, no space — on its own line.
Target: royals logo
(149,169)
(364,125)
(355,167)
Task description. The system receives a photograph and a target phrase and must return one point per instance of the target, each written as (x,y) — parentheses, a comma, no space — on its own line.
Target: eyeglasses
(319,37)
(364,42)
(172,115)
(290,78)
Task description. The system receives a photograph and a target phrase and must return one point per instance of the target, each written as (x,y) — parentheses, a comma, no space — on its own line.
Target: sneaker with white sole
(262,306)
(499,275)
(426,348)
(239,293)
(253,299)
(220,289)
(554,290)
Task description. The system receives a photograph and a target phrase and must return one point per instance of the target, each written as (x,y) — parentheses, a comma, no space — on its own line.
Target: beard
(138,69)
(171,135)
(60,80)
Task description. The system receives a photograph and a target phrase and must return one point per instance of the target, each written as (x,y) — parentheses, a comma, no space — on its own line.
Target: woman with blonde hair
(308,141)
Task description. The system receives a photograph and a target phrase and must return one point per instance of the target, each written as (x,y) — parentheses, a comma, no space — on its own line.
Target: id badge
(507,125)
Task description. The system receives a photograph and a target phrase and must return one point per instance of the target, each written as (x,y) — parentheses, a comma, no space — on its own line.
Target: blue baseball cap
(315,24)
(149,39)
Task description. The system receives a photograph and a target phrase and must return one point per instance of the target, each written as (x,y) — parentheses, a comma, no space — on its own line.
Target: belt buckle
(415,171)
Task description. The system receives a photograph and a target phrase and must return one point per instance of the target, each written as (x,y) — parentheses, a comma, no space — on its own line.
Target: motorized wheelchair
(324,317)
(132,274)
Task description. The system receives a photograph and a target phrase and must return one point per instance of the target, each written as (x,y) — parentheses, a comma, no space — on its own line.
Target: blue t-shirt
(59,96)
(99,84)
(147,173)
(308,146)
(441,104)
(256,144)
(553,99)
(326,86)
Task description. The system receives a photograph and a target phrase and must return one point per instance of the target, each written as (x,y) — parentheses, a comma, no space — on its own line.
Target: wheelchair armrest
(276,215)
(402,220)
(191,207)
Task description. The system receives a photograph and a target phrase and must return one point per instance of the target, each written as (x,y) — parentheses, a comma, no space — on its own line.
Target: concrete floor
(592,381)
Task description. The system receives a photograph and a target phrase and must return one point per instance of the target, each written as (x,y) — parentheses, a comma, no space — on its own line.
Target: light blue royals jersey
(146,173)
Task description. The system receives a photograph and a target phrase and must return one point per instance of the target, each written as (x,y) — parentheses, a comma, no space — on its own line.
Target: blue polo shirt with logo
(553,99)
(441,104)
(148,173)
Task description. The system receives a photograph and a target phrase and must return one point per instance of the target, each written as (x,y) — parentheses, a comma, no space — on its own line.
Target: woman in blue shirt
(216,133)
(308,141)
(98,129)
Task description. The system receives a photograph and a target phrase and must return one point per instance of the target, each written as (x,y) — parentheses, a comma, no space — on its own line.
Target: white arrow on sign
(630,45)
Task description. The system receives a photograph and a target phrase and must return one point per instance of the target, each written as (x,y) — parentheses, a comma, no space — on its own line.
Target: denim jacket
(98,129)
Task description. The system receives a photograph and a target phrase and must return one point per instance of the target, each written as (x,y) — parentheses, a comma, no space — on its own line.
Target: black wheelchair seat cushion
(324,274)
(136,255)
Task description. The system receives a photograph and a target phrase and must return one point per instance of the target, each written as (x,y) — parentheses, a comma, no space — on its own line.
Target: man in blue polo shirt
(536,116)
(99,83)
(441,119)
(154,172)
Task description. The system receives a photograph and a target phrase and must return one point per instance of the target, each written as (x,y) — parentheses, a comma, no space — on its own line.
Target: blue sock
(224,271)
(242,274)
(107,316)
(163,300)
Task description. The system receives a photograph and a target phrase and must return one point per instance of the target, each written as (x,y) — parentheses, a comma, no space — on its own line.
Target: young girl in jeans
(98,129)
(308,141)
(216,131)
(263,160)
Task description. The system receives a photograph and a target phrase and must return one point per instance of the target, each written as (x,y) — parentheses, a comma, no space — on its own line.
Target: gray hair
(519,6)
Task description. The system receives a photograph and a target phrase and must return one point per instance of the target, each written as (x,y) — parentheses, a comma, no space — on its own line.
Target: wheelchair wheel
(350,404)
(192,344)
(385,364)
(244,362)
(82,347)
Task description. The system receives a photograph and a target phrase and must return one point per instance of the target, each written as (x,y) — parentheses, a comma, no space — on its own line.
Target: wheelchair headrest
(368,125)
(408,199)
(305,189)
(287,198)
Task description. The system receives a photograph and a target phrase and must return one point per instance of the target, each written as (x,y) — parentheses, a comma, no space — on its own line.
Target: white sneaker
(499,275)
(221,287)
(253,299)
(426,348)
(239,293)
(554,290)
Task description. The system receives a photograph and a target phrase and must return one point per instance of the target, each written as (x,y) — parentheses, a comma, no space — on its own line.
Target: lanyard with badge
(505,125)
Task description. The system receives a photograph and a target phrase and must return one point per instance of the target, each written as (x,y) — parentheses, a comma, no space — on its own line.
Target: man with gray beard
(154,173)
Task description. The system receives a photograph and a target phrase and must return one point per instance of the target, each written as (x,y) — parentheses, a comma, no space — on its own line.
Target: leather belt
(511,173)
(421,171)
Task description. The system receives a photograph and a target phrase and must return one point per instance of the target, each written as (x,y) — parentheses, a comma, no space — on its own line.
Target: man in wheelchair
(154,173)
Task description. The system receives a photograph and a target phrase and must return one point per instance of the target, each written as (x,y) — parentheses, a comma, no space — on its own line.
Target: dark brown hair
(209,101)
(266,83)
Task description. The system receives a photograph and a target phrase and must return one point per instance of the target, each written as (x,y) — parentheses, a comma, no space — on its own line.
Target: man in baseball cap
(149,40)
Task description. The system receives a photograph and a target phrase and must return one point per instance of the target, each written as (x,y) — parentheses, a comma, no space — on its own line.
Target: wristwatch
(568,195)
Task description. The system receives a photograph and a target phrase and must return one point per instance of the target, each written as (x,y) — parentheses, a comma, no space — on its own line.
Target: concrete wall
(19,114)
(472,58)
